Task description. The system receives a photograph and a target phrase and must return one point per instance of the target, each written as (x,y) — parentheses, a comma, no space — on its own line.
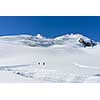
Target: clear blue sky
(51,26)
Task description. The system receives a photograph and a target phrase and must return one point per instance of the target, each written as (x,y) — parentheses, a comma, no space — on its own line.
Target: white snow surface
(66,61)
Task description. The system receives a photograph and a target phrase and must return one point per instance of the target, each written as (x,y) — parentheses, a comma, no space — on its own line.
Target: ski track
(42,74)
(37,73)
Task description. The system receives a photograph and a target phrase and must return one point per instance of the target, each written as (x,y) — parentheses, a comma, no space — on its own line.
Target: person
(38,63)
(43,63)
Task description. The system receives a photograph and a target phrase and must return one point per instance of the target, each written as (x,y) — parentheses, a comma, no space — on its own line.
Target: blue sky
(51,26)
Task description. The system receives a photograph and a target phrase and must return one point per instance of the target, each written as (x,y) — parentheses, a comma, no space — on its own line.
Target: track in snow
(38,73)
(13,66)
(85,66)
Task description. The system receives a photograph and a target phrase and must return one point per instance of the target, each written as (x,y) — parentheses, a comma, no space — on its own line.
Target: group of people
(42,63)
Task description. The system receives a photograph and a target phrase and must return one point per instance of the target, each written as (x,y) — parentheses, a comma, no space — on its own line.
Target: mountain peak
(71,37)
(39,36)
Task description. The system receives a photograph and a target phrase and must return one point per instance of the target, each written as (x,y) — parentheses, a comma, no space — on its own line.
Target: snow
(39,36)
(65,59)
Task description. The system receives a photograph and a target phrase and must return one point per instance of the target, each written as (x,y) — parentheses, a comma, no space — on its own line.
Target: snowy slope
(65,59)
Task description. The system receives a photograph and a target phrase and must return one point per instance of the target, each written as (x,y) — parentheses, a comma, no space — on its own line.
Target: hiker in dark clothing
(38,63)
(43,63)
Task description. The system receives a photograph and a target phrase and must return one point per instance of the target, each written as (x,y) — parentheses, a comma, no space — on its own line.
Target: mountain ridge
(39,40)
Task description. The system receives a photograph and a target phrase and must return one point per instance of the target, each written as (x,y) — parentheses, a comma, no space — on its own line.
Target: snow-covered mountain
(27,58)
(40,41)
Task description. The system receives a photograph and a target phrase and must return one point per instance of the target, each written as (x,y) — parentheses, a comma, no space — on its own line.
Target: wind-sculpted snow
(27,58)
